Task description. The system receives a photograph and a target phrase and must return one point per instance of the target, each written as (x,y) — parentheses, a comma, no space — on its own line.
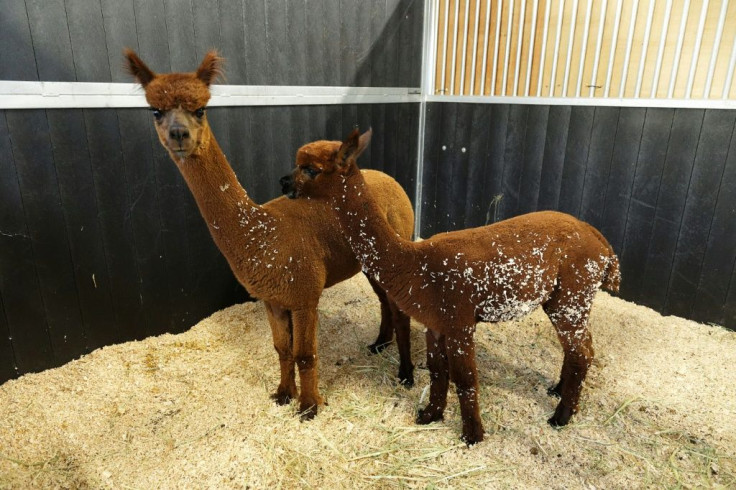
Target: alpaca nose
(179,133)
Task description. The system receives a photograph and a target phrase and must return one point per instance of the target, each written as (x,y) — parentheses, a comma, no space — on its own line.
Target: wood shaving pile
(193,410)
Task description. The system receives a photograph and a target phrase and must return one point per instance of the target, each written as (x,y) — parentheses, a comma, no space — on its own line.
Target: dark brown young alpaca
(451,281)
(284,252)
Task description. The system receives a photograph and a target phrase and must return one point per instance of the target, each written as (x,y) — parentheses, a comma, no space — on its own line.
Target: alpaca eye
(199,112)
(157,113)
(312,172)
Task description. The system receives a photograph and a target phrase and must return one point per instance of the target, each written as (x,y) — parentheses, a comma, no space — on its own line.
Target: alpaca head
(321,166)
(178,102)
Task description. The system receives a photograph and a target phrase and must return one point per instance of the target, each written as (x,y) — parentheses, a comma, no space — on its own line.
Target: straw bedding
(193,410)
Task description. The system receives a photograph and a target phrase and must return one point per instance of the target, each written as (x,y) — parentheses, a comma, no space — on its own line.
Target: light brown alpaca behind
(451,281)
(284,252)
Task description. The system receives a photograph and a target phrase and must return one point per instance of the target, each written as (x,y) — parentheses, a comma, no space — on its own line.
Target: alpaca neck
(376,245)
(233,218)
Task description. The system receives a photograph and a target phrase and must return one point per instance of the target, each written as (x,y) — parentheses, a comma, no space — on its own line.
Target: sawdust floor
(193,410)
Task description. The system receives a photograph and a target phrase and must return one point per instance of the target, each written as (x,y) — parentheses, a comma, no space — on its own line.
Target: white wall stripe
(589,101)
(583,48)
(644,49)
(543,51)
(454,47)
(570,43)
(614,43)
(509,33)
(444,47)
(532,39)
(60,95)
(660,51)
(464,47)
(716,48)
(598,44)
(696,50)
(494,71)
(730,72)
(475,47)
(629,43)
(678,49)
(485,49)
(556,55)
(519,44)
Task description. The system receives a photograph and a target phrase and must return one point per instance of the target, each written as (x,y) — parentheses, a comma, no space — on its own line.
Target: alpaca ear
(138,68)
(211,67)
(352,147)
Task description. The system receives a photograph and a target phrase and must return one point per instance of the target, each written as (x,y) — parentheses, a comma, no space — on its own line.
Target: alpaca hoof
(406,377)
(561,417)
(472,439)
(406,381)
(377,347)
(307,413)
(425,416)
(555,391)
(282,398)
(555,424)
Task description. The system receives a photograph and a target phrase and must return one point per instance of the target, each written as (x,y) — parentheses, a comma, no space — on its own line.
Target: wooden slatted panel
(715,49)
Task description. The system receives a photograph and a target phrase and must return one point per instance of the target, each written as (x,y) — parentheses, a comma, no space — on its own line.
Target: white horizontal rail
(589,101)
(82,95)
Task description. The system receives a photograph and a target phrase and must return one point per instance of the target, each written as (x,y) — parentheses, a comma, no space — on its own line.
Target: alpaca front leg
(393,320)
(438,379)
(402,326)
(281,330)
(305,355)
(464,373)
(386,330)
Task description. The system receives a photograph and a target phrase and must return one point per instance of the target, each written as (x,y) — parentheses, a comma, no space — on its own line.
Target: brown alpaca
(451,281)
(283,252)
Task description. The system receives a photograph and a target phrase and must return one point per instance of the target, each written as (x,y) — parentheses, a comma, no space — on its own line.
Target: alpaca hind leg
(305,356)
(438,379)
(577,345)
(464,373)
(556,390)
(281,330)
(386,330)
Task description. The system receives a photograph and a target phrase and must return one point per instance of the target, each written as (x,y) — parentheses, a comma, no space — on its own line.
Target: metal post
(429,61)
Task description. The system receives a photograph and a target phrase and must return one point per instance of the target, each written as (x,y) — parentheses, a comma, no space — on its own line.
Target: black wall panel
(102,241)
(697,217)
(657,182)
(265,42)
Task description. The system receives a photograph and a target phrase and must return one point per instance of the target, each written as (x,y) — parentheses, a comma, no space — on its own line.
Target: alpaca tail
(612,274)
